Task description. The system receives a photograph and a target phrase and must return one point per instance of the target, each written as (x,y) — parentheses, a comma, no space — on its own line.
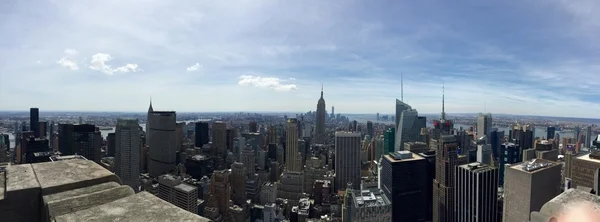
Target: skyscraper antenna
(321,89)
(402,87)
(443,101)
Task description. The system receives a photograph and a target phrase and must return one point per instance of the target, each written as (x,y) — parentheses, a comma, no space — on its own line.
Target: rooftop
(587,158)
(477,167)
(413,158)
(534,165)
(370,198)
(78,190)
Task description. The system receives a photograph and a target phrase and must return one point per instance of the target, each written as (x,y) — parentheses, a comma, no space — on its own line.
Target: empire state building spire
(321,90)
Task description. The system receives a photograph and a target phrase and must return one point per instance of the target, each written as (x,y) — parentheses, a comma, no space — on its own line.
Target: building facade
(347,159)
(127,152)
(476,193)
(528,186)
(162,142)
(291,149)
(408,197)
(484,124)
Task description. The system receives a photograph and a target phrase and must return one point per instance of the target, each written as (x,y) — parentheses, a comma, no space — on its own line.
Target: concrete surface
(142,207)
(2,185)
(80,191)
(84,201)
(22,198)
(55,177)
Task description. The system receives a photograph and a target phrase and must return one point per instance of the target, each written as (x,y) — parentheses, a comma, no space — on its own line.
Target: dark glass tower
(34,121)
(201,134)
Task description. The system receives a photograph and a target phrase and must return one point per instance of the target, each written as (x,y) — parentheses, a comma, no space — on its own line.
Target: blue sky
(518,57)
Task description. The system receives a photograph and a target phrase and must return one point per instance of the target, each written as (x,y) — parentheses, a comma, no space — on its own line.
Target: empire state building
(320,126)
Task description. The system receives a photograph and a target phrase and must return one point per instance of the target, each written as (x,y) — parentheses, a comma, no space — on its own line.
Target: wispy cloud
(194,67)
(265,82)
(99,63)
(67,60)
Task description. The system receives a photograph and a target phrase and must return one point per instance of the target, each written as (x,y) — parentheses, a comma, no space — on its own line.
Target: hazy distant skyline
(511,57)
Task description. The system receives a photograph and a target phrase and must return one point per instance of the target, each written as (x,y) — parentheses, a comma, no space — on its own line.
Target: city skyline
(509,58)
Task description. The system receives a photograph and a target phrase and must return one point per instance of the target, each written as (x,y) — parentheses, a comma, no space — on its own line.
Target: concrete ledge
(142,207)
(2,185)
(60,176)
(80,191)
(84,201)
(22,198)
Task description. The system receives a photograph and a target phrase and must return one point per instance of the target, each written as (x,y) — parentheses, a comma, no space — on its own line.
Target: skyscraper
(110,144)
(400,107)
(320,125)
(550,131)
(347,159)
(87,142)
(201,135)
(443,190)
(291,149)
(510,153)
(220,192)
(370,129)
(476,193)
(528,187)
(127,155)
(34,121)
(410,126)
(162,142)
(65,139)
(408,196)
(588,137)
(389,140)
(484,124)
(219,138)
(253,127)
(238,183)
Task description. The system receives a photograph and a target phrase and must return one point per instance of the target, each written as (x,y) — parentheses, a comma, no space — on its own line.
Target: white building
(173,190)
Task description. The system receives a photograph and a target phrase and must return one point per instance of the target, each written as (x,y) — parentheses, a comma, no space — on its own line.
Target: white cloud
(67,63)
(265,82)
(71,52)
(195,67)
(99,63)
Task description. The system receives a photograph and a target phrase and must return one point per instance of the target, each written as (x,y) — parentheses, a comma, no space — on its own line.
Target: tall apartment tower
(162,142)
(347,159)
(528,187)
(408,197)
(320,126)
(173,190)
(127,152)
(443,185)
(476,193)
(34,121)
(291,149)
(219,138)
(370,129)
(484,124)
(201,135)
